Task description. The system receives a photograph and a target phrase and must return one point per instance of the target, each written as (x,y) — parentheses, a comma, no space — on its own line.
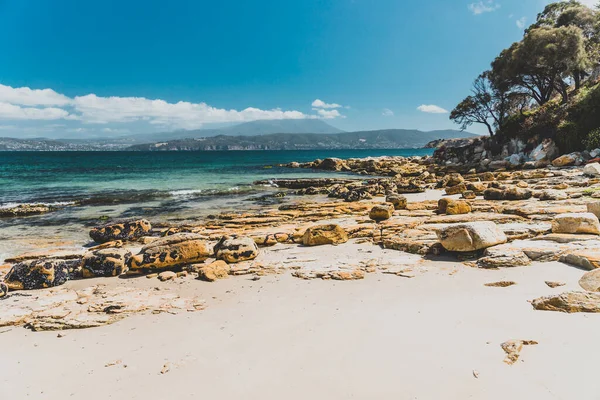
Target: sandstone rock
(397,200)
(488,177)
(569,302)
(105,262)
(216,270)
(469,195)
(471,236)
(553,285)
(565,160)
(236,248)
(513,348)
(594,208)
(457,189)
(25,209)
(332,164)
(62,308)
(503,258)
(381,212)
(41,273)
(452,179)
(477,187)
(453,207)
(493,194)
(586,259)
(551,194)
(592,170)
(171,251)
(516,193)
(590,281)
(324,234)
(576,223)
(129,230)
(167,276)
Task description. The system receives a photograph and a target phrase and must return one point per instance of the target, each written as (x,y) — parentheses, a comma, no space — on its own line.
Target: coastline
(382,314)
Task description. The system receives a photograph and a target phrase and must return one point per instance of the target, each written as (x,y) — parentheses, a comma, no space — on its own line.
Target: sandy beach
(385,314)
(434,336)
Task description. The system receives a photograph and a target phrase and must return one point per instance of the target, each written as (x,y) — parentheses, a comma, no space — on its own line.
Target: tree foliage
(556,55)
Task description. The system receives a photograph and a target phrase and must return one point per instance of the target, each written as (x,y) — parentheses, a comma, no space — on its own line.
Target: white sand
(386,337)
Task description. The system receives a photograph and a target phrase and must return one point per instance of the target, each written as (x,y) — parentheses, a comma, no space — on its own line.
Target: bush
(592,140)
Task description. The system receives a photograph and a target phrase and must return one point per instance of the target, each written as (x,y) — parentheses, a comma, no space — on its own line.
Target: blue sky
(80,68)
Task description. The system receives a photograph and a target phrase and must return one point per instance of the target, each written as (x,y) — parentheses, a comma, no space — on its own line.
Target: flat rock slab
(352,260)
(62,308)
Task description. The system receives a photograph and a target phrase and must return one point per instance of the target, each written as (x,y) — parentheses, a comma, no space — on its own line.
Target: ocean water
(164,187)
(94,178)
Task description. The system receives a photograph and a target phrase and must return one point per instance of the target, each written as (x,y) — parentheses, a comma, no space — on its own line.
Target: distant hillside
(380,139)
(253,128)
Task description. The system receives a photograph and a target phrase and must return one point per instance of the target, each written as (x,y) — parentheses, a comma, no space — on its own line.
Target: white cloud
(483,7)
(25,96)
(321,104)
(387,112)
(521,22)
(35,104)
(14,112)
(432,109)
(329,114)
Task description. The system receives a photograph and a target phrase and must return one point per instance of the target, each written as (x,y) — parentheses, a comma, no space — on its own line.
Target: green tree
(543,62)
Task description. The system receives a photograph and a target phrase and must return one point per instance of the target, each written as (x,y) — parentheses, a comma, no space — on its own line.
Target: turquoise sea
(96,178)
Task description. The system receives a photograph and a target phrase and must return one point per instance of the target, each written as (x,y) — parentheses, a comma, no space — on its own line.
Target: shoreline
(382,310)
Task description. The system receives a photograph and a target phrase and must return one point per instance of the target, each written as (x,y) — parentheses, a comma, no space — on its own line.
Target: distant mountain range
(256,135)
(381,139)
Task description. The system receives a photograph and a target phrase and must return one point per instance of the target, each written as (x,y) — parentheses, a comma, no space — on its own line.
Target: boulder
(587,259)
(594,208)
(397,200)
(551,194)
(500,257)
(332,164)
(517,193)
(457,189)
(569,302)
(381,212)
(127,230)
(592,170)
(576,223)
(471,236)
(566,160)
(453,207)
(324,234)
(171,251)
(477,187)
(544,152)
(590,281)
(513,193)
(216,270)
(469,195)
(105,262)
(452,179)
(234,248)
(41,273)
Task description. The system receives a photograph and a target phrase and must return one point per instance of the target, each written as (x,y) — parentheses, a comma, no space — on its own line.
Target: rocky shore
(404,217)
